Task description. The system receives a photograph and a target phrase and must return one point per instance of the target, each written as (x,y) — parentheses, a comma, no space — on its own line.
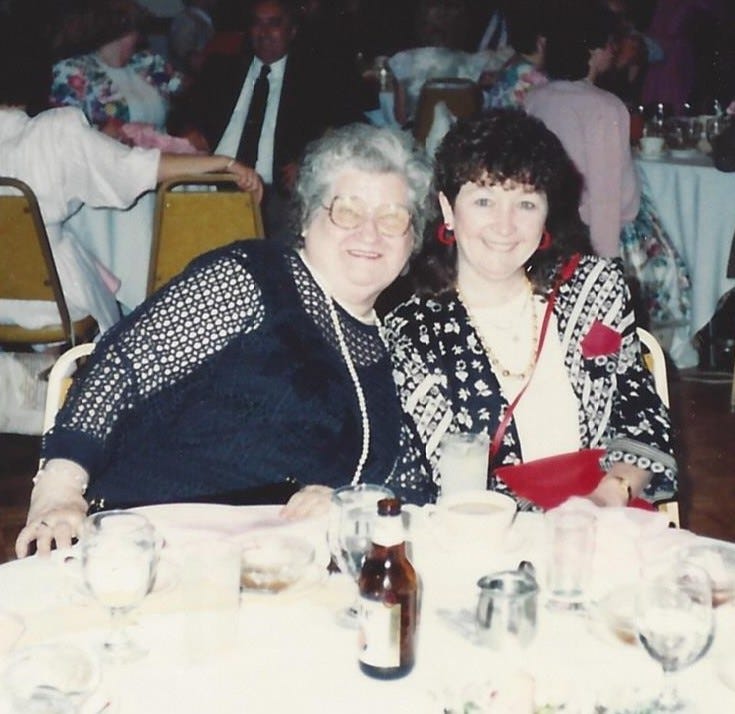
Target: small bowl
(272,563)
(55,676)
(718,561)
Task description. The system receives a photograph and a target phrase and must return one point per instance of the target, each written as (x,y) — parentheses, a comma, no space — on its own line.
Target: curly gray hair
(371,149)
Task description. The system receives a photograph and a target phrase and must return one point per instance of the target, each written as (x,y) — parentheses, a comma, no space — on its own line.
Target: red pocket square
(600,340)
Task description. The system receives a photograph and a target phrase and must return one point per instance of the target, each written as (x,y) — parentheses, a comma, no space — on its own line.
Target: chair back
(193,221)
(462,96)
(656,363)
(28,270)
(60,379)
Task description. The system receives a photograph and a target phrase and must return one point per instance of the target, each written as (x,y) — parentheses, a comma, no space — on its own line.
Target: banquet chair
(655,361)
(197,219)
(462,96)
(28,270)
(60,379)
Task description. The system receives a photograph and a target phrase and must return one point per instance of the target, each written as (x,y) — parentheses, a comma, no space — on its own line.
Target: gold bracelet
(625,485)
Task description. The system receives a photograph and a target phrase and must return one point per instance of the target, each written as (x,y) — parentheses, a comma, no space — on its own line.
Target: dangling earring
(445,235)
(546,241)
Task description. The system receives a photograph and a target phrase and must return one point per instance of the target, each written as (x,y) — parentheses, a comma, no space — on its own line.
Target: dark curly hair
(506,145)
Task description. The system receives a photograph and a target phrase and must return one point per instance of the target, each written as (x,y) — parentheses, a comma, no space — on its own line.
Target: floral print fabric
(83,82)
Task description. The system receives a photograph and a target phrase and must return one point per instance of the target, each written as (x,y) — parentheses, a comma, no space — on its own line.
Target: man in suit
(300,105)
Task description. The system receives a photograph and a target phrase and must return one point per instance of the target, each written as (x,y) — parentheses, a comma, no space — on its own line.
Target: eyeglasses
(392,220)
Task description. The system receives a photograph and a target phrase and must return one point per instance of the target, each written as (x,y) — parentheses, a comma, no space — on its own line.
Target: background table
(696,203)
(286,652)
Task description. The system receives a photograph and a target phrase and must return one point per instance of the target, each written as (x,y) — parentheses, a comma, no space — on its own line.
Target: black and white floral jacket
(446,381)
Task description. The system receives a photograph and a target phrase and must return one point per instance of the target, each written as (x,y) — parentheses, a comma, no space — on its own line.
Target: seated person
(263,105)
(112,81)
(527,26)
(259,365)
(67,163)
(471,340)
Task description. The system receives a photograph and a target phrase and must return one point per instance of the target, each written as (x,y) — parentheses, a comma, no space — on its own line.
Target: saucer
(684,153)
(652,157)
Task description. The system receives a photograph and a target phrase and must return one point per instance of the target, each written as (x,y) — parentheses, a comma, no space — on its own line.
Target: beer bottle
(388,599)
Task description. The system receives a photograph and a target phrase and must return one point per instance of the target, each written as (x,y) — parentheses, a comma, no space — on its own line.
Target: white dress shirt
(230,140)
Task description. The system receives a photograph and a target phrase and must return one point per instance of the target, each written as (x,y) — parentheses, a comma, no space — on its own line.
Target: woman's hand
(619,485)
(309,502)
(57,508)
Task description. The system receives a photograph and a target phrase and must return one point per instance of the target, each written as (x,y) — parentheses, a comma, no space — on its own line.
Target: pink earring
(445,235)
(546,241)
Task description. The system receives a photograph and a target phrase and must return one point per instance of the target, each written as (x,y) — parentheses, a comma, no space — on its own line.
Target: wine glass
(352,512)
(119,564)
(675,624)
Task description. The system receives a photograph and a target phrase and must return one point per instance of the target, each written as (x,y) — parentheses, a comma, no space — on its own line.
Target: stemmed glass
(352,513)
(675,624)
(119,564)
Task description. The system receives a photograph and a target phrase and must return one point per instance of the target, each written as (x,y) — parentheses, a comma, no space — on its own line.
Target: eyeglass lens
(349,212)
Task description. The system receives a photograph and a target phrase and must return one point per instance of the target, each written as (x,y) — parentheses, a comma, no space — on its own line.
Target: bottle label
(388,531)
(380,633)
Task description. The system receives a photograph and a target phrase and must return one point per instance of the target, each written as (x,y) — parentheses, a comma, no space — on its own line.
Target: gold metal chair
(60,379)
(193,221)
(654,359)
(28,270)
(462,96)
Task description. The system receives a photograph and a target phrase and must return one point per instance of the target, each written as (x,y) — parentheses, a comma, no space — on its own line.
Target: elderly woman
(257,367)
(116,83)
(507,324)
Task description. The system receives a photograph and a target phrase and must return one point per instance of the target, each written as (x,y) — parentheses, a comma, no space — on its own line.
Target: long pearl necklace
(361,401)
(497,365)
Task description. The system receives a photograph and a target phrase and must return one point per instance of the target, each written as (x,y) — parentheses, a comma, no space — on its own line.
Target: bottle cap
(389,507)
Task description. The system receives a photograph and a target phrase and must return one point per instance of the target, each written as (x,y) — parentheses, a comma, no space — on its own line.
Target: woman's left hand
(246,178)
(309,502)
(613,488)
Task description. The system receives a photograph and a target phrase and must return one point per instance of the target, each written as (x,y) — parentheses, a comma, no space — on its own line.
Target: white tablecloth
(287,653)
(696,203)
(120,240)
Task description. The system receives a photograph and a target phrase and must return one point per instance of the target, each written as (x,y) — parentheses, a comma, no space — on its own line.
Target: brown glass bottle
(388,586)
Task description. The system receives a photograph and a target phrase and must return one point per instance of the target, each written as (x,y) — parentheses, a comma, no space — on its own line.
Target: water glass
(463,463)
(572,542)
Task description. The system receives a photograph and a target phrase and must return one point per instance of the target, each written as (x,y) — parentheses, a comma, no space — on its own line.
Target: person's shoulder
(59,118)
(600,270)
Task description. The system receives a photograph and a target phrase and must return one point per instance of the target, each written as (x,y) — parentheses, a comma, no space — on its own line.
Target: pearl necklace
(344,351)
(497,365)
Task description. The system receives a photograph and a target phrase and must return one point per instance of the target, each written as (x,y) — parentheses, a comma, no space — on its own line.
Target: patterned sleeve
(639,427)
(423,392)
(166,339)
(159,72)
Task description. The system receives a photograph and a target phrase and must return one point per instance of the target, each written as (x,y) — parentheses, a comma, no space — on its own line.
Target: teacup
(474,518)
(652,145)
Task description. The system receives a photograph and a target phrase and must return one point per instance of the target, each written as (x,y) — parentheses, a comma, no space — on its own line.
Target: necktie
(247,151)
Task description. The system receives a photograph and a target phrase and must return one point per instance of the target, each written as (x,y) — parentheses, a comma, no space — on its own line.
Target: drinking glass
(119,564)
(675,624)
(353,510)
(463,463)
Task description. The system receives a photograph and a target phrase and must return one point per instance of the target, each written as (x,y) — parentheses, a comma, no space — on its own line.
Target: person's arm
(172,327)
(171,165)
(640,451)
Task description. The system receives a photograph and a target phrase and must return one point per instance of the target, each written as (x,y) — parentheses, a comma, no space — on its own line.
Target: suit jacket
(306,108)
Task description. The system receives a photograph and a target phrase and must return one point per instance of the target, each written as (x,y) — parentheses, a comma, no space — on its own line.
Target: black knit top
(229,378)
